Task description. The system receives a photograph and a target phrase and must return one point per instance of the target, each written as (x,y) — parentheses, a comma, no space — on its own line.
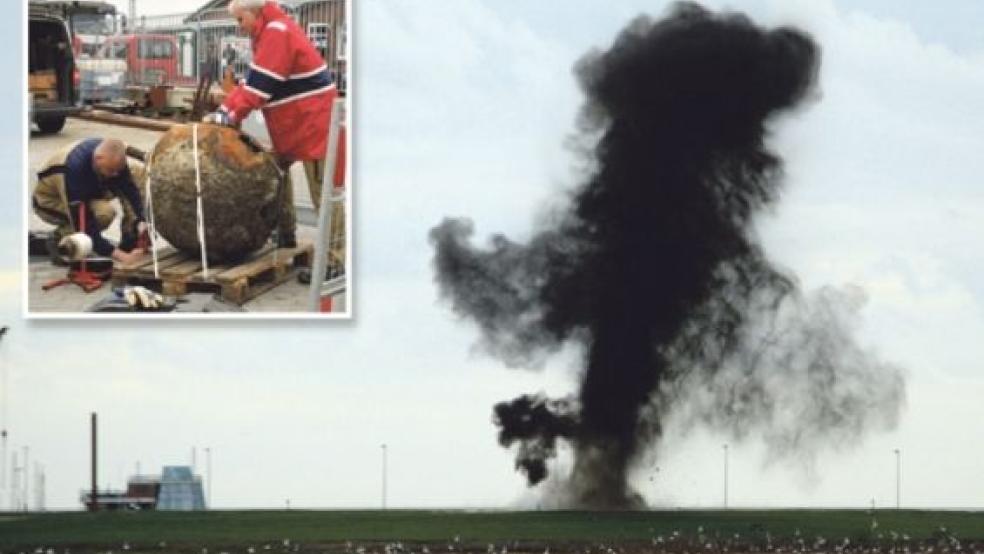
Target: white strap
(201,214)
(152,228)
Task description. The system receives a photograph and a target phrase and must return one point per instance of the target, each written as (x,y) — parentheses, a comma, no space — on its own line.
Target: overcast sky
(462,108)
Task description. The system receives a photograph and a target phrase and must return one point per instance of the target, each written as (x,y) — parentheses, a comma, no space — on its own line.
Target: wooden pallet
(180,274)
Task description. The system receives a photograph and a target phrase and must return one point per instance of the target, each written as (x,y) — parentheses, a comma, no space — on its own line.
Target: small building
(176,488)
(180,490)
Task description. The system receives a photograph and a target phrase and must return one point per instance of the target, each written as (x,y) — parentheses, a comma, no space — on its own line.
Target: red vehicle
(151,59)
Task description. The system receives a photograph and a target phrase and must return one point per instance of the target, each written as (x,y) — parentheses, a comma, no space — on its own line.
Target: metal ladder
(322,292)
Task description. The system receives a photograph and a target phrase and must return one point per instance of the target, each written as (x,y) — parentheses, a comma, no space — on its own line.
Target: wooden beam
(146,123)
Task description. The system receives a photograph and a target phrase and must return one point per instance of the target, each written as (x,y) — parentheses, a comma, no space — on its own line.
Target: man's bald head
(109,159)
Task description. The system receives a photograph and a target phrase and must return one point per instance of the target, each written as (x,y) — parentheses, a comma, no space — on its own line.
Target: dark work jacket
(83,184)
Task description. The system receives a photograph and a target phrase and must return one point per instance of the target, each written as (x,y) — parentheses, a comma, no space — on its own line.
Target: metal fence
(138,59)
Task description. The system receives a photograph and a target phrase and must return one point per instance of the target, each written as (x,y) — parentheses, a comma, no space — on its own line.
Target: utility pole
(3,421)
(94,498)
(38,487)
(208,482)
(725,476)
(14,483)
(384,475)
(26,477)
(898,479)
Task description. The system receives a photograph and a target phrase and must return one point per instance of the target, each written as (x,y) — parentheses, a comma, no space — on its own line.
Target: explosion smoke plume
(655,269)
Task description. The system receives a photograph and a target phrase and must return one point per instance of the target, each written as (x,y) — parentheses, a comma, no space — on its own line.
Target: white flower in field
(286,542)
(126,546)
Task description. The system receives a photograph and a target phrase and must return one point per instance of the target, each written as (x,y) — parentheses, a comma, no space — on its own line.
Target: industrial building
(176,488)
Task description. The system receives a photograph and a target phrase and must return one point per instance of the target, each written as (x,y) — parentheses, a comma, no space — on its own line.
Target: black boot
(53,253)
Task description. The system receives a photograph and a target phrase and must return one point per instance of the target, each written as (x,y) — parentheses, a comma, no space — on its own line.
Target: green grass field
(149,529)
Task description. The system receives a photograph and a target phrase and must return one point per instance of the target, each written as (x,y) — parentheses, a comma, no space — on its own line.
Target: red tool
(87,280)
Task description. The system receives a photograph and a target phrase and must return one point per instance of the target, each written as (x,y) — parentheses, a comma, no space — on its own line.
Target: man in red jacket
(290,81)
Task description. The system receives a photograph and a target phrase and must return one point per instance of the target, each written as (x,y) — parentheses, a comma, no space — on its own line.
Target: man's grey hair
(245,5)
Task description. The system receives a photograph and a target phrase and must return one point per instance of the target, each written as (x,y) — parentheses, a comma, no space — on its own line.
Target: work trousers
(50,203)
(314,171)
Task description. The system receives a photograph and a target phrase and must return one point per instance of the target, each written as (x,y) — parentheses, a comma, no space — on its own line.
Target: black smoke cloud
(654,268)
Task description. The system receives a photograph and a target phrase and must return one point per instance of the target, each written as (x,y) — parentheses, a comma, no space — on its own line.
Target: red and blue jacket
(290,81)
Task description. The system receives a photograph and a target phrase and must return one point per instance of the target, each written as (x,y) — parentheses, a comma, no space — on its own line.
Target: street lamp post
(383,446)
(898,479)
(725,476)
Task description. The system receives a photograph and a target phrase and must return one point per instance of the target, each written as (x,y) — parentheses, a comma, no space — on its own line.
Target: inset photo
(188,164)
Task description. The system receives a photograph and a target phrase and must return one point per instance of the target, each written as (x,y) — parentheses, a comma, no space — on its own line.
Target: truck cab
(151,59)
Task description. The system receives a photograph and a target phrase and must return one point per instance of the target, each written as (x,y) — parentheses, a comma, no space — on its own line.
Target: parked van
(52,76)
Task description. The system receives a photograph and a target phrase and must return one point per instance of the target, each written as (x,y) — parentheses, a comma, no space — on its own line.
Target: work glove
(218,118)
(142,298)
